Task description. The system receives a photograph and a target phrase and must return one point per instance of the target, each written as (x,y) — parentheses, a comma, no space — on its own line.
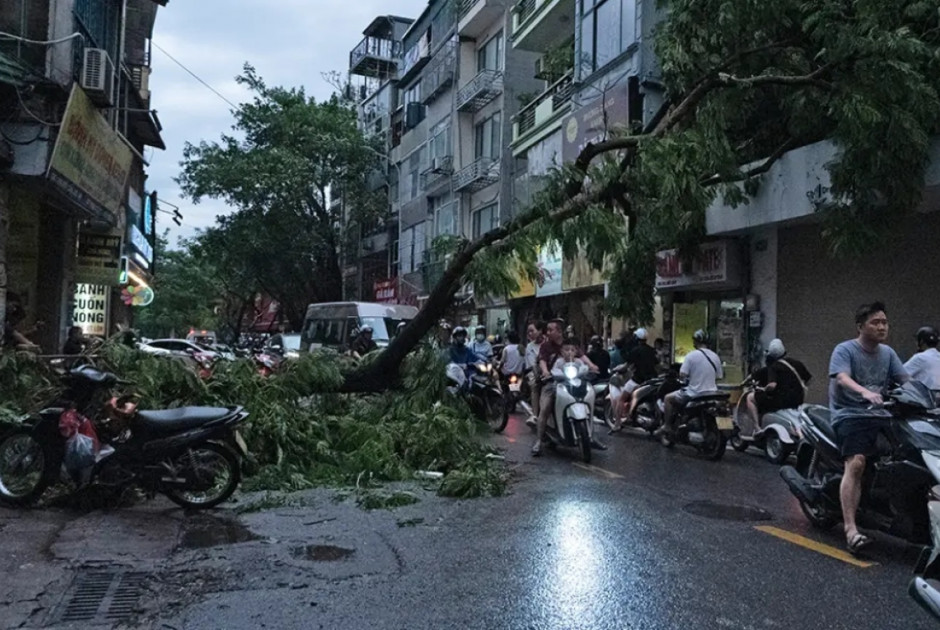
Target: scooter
(647,413)
(481,385)
(895,483)
(778,432)
(925,587)
(570,425)
(704,422)
(190,454)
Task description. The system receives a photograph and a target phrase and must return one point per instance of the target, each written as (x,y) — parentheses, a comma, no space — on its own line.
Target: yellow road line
(813,545)
(598,471)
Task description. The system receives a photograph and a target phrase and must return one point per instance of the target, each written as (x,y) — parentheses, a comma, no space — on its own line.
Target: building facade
(76,218)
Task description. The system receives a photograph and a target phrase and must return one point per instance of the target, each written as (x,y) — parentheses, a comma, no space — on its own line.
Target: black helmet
(700,336)
(596,341)
(928,336)
(480,329)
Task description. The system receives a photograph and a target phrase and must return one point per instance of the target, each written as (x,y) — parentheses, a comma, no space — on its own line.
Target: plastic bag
(80,453)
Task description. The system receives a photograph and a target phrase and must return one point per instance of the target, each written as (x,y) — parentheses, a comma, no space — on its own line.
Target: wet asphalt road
(621,544)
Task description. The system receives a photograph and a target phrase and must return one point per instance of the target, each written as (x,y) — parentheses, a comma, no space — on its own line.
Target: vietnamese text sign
(386,291)
(90,161)
(709,267)
(91,308)
(140,243)
(99,258)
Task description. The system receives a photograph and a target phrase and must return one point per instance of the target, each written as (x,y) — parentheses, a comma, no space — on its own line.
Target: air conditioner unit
(141,77)
(435,164)
(98,77)
(414,114)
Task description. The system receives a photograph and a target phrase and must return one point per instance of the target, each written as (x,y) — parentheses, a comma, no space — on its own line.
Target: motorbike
(191,454)
(704,422)
(647,413)
(896,482)
(480,384)
(602,406)
(778,432)
(925,587)
(571,423)
(516,389)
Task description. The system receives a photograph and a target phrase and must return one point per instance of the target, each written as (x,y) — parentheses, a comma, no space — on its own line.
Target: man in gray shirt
(860,370)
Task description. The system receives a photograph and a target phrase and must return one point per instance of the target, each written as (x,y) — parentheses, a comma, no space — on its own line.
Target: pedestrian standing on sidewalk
(860,371)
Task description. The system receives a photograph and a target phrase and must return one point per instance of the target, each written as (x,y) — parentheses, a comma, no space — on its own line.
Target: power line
(193,74)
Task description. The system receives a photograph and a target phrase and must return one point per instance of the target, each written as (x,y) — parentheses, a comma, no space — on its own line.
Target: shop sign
(577,273)
(99,258)
(386,291)
(90,161)
(141,244)
(593,122)
(526,286)
(91,308)
(709,268)
(548,281)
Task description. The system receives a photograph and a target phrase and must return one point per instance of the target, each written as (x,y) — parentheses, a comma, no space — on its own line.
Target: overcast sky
(289,42)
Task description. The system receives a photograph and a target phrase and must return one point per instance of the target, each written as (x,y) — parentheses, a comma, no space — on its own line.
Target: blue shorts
(859,436)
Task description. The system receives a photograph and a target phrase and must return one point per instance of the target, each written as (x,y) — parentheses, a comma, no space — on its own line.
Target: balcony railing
(374,57)
(549,104)
(440,72)
(477,176)
(539,24)
(475,16)
(437,174)
(480,90)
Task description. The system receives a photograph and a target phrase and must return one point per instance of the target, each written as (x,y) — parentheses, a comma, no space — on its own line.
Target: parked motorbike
(925,587)
(480,383)
(895,483)
(570,425)
(777,434)
(190,454)
(704,422)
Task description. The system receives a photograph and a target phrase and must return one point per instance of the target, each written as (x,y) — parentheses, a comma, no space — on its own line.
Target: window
(414,163)
(413,94)
(411,248)
(485,219)
(608,27)
(490,56)
(487,138)
(444,211)
(439,145)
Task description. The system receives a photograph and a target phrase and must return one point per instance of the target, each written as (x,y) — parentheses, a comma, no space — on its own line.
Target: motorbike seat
(182,418)
(714,395)
(822,418)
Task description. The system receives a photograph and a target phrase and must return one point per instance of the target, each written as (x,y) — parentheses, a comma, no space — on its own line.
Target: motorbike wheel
(23,474)
(584,441)
(496,411)
(715,442)
(777,452)
(213,473)
(818,517)
(666,441)
(738,444)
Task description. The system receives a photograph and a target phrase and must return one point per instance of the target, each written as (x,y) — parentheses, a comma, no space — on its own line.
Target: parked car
(336,324)
(286,345)
(178,347)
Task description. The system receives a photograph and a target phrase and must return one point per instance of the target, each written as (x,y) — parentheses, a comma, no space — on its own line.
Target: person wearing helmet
(925,365)
(459,352)
(599,356)
(702,368)
(363,343)
(785,384)
(642,360)
(481,345)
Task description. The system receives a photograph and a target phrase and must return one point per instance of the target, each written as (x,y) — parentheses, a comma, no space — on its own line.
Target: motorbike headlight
(932,459)
(571,372)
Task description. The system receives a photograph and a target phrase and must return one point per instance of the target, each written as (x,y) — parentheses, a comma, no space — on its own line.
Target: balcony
(539,25)
(480,91)
(544,114)
(437,175)
(440,72)
(481,173)
(475,16)
(374,57)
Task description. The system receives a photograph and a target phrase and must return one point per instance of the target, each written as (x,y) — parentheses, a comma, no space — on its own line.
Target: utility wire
(193,74)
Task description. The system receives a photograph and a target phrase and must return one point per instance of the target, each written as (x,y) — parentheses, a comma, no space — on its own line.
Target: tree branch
(813,78)
(760,169)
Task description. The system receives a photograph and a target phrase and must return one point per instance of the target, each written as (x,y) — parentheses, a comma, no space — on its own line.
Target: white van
(335,324)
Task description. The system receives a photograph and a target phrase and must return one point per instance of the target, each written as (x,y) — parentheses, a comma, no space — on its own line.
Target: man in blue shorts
(860,371)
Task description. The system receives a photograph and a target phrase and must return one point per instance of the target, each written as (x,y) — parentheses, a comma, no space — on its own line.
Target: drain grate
(101,596)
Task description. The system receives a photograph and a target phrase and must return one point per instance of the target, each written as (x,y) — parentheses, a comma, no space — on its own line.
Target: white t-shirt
(512,360)
(925,367)
(532,355)
(702,375)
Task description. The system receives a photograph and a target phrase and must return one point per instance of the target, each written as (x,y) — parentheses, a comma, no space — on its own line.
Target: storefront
(706,293)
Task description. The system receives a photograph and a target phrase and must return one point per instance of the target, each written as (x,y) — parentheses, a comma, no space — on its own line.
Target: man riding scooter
(702,368)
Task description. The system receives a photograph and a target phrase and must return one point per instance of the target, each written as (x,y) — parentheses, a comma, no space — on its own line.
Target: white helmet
(640,333)
(775,349)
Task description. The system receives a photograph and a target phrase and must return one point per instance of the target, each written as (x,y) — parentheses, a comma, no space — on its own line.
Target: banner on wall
(91,308)
(550,267)
(98,260)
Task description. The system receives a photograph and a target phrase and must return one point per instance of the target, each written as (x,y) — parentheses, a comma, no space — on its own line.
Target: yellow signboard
(90,161)
(526,286)
(576,273)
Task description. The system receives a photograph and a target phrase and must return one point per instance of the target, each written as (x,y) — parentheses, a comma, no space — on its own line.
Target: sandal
(857,543)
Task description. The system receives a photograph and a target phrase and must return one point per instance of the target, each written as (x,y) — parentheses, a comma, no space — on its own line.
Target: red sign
(709,267)
(386,291)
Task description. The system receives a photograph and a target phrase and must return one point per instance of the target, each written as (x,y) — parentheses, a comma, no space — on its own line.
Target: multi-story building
(76,222)
(368,260)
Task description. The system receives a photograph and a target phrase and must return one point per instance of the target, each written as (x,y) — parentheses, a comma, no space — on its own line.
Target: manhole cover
(209,531)
(101,597)
(324,553)
(727,512)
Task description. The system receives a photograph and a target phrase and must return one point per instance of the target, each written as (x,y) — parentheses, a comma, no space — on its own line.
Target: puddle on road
(323,553)
(212,531)
(727,512)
